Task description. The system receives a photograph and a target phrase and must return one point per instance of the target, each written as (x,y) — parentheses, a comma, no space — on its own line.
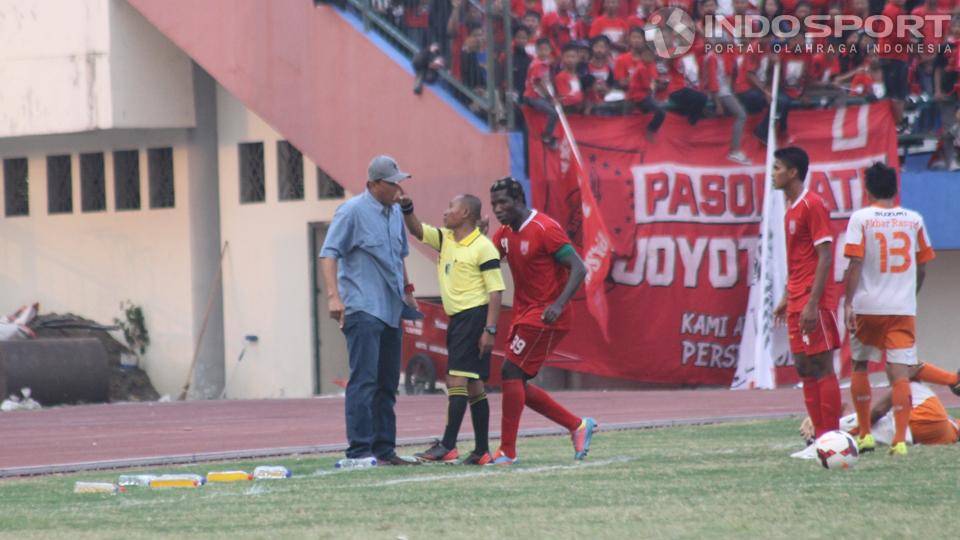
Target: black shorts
(895,78)
(463,344)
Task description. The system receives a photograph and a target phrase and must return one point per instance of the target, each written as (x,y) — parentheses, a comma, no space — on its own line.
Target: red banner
(595,245)
(684,227)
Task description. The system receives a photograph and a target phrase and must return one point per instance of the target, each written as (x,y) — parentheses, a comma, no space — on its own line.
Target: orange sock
(932,374)
(901,409)
(861,394)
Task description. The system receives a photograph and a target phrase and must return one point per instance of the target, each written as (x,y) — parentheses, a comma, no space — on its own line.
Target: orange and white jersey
(883,429)
(891,242)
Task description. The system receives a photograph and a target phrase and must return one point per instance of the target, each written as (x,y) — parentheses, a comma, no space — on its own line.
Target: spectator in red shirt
(719,68)
(563,25)
(611,24)
(627,62)
(624,10)
(894,56)
(522,7)
(601,64)
(531,20)
(569,91)
(536,95)
(640,93)
(686,84)
(644,9)
(947,80)
(416,19)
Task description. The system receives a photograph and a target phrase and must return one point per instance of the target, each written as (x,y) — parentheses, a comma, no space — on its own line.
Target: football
(837,450)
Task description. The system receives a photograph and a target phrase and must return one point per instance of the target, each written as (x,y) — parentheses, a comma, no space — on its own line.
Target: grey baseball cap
(385,168)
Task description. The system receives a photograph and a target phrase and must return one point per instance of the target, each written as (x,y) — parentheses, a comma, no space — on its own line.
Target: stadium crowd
(596,57)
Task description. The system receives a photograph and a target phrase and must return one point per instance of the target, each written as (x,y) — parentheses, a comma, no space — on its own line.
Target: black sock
(480,413)
(456,408)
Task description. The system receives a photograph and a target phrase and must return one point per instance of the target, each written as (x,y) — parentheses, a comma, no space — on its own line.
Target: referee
(471,287)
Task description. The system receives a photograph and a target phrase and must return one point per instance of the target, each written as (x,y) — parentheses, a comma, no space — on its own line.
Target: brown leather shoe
(398,460)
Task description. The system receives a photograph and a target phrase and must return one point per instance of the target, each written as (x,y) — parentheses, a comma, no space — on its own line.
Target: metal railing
(489,102)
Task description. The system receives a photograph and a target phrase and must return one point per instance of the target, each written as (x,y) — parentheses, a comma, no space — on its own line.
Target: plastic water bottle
(228,476)
(356,463)
(177,481)
(97,487)
(271,472)
(139,480)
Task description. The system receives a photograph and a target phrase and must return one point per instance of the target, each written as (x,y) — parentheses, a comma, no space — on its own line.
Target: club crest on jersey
(524,247)
(793,227)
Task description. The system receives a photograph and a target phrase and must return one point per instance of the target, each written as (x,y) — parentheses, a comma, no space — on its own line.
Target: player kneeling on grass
(929,421)
(471,287)
(888,250)
(546,272)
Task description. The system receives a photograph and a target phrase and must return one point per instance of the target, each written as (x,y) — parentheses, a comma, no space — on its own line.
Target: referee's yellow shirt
(468,270)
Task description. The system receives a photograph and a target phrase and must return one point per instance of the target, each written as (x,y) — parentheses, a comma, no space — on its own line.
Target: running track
(89,437)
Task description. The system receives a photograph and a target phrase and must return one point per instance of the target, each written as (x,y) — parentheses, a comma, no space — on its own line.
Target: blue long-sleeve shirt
(370,243)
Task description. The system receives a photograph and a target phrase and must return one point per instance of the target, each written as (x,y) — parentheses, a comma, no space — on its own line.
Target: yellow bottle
(229,476)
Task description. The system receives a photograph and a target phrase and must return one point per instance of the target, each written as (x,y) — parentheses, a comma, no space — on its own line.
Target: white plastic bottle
(356,463)
(271,472)
(138,480)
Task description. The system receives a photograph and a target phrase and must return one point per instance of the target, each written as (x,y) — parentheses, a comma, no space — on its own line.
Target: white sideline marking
(498,470)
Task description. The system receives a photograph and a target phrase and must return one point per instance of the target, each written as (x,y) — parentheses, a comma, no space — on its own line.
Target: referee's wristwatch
(492,329)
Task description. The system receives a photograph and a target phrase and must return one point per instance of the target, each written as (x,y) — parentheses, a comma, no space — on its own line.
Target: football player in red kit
(546,272)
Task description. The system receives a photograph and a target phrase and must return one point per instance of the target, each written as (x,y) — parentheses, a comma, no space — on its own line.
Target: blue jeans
(374,349)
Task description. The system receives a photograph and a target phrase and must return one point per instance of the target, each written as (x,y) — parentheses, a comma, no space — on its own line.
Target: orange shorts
(825,335)
(930,424)
(895,334)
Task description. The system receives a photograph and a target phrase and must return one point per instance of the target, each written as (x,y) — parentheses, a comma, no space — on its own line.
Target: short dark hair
(881,181)
(637,30)
(473,204)
(794,158)
(544,41)
(531,14)
(570,46)
(519,29)
(513,188)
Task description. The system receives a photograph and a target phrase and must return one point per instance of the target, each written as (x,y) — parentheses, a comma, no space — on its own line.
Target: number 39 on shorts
(517,345)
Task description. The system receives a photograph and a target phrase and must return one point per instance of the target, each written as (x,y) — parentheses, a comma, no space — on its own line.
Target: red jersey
(861,84)
(537,277)
(887,45)
(685,73)
(614,28)
(807,224)
(626,8)
(930,27)
(719,81)
(823,68)
(624,66)
(568,88)
(539,70)
(755,63)
(795,70)
(561,29)
(641,83)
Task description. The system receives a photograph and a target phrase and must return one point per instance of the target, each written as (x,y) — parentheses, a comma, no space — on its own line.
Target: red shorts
(825,335)
(529,346)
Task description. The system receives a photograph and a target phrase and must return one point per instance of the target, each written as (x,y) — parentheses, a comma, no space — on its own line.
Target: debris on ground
(127,382)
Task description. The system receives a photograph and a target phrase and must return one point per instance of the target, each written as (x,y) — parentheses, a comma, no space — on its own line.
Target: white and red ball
(837,450)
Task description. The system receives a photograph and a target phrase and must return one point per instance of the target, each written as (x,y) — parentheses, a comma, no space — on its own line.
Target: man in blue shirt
(368,294)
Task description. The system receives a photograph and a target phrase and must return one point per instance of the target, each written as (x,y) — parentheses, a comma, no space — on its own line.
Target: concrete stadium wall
(88,262)
(333,93)
(267,272)
(107,68)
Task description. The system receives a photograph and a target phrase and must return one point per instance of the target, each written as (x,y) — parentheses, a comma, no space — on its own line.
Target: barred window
(93,187)
(327,187)
(16,187)
(289,172)
(59,185)
(126,179)
(251,172)
(160,171)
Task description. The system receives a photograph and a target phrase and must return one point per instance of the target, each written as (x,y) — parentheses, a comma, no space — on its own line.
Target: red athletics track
(140,434)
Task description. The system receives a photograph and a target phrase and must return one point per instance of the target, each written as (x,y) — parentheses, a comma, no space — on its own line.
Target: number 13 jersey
(891,242)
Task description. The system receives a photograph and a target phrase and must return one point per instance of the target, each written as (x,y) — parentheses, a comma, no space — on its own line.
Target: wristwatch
(492,329)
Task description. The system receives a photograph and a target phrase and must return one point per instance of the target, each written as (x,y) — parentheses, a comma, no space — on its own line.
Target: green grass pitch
(718,481)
